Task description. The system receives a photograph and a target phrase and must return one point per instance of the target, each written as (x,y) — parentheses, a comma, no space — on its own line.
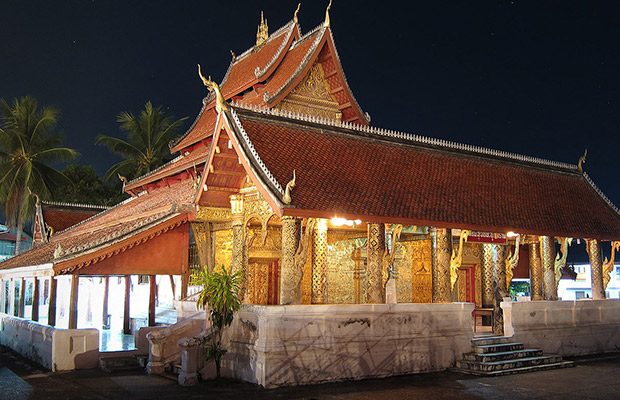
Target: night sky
(540,78)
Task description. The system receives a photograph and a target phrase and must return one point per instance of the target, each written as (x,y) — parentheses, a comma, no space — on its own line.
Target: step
(505,355)
(520,370)
(510,364)
(123,363)
(498,348)
(489,340)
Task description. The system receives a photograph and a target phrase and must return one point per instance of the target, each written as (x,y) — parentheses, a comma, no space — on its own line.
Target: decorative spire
(582,161)
(234,56)
(220,103)
(326,23)
(287,193)
(295,20)
(262,33)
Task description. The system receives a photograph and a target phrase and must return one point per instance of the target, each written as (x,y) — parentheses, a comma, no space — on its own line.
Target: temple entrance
(264,276)
(466,284)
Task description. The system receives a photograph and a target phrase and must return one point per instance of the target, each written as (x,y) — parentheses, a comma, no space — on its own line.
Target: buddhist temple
(365,252)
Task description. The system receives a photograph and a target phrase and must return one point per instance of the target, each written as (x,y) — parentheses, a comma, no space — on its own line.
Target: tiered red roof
(281,62)
(387,177)
(117,228)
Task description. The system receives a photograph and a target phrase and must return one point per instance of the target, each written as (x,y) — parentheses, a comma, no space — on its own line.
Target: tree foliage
(146,147)
(221,292)
(29,144)
(86,187)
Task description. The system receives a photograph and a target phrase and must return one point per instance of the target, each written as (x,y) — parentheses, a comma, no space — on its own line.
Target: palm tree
(146,147)
(28,144)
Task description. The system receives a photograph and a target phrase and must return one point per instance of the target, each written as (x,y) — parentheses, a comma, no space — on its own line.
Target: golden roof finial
(582,161)
(295,20)
(262,33)
(287,192)
(234,56)
(220,103)
(326,23)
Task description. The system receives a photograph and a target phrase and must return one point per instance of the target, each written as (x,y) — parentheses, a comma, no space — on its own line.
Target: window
(580,294)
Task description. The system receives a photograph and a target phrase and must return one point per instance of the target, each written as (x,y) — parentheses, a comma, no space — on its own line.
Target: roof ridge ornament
(295,20)
(262,32)
(582,161)
(220,103)
(327,21)
(287,192)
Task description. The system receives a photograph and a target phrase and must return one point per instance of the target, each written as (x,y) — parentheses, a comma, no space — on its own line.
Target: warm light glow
(337,221)
(511,234)
(204,187)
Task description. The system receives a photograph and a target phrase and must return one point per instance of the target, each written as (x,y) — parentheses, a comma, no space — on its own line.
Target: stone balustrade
(163,343)
(53,348)
(567,328)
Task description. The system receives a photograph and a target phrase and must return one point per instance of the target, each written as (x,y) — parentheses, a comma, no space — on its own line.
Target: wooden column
(152,299)
(173,287)
(51,310)
(319,262)
(374,262)
(73,300)
(536,271)
(22,298)
(290,290)
(35,299)
(185,273)
(547,258)
(126,317)
(2,296)
(105,321)
(442,251)
(593,246)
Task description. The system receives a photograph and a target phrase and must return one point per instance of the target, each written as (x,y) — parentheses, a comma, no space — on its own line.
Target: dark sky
(540,78)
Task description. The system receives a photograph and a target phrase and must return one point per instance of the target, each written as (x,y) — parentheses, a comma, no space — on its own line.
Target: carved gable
(312,96)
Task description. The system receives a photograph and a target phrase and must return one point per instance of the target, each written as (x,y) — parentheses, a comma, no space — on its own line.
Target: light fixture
(337,221)
(511,234)
(204,187)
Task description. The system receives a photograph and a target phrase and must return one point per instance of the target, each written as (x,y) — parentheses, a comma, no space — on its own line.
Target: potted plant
(221,293)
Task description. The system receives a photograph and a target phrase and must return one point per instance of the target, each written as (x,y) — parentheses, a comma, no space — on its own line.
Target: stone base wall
(568,328)
(294,345)
(55,349)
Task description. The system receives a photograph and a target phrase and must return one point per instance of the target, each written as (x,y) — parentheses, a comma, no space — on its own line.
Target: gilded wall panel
(223,248)
(340,267)
(421,264)
(402,262)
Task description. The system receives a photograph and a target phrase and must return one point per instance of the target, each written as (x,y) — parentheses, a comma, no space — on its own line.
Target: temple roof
(91,239)
(383,176)
(60,216)
(264,75)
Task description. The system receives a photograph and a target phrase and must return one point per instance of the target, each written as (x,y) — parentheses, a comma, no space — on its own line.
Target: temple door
(467,284)
(273,286)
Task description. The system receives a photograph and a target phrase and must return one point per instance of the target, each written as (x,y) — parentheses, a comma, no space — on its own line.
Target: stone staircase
(499,355)
(122,361)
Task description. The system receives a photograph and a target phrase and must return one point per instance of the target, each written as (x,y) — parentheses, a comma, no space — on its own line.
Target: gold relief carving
(536,271)
(494,258)
(213,214)
(478,274)
(421,264)
(204,245)
(223,248)
(402,262)
(560,259)
(312,96)
(593,246)
(547,257)
(346,260)
(608,265)
(258,275)
(462,287)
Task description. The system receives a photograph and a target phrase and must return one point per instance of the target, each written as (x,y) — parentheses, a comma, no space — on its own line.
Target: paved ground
(591,378)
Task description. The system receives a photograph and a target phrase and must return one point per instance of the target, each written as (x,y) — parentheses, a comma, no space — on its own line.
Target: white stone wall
(55,349)
(568,328)
(300,344)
